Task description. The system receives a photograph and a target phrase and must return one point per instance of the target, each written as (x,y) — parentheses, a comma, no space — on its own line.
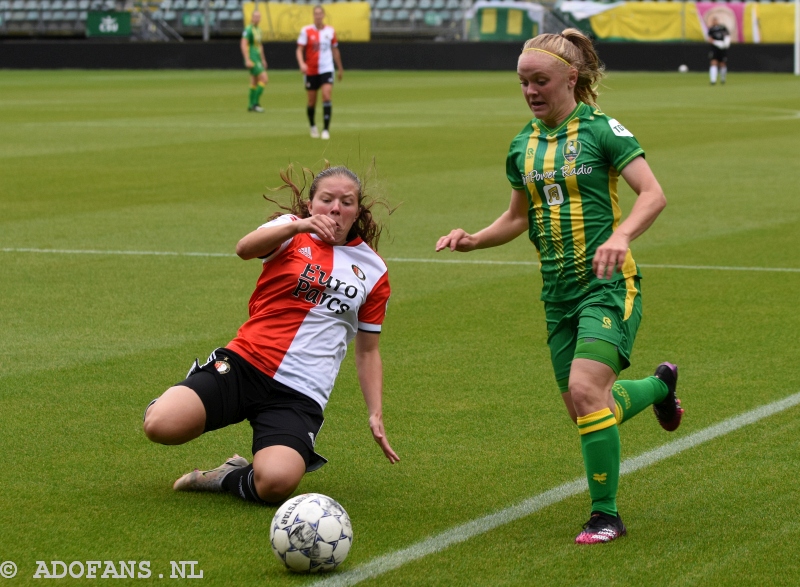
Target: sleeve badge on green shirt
(618,129)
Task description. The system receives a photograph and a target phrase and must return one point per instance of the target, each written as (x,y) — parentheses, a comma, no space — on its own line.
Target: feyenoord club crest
(358,272)
(572,149)
(222,367)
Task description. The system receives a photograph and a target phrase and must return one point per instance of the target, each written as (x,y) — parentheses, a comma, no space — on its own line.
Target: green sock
(632,397)
(252,97)
(601,454)
(259,90)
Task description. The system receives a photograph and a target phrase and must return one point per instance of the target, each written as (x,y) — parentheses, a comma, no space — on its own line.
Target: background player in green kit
(564,168)
(254,61)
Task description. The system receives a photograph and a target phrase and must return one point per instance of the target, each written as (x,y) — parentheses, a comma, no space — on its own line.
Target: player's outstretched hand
(610,256)
(379,434)
(458,240)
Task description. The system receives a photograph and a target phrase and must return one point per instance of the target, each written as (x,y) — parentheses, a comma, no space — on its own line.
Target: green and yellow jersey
(253,36)
(570,176)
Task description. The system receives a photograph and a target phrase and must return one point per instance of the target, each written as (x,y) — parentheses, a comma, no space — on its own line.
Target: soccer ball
(683,68)
(311,533)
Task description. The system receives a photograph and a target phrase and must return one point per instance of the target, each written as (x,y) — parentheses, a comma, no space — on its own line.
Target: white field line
(104,252)
(390,259)
(389,562)
(721,268)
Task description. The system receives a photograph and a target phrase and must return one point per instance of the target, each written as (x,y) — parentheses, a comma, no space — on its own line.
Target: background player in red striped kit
(321,285)
(317,51)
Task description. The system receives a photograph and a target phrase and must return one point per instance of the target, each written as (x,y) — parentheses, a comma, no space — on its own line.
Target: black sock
(326,113)
(310,112)
(240,483)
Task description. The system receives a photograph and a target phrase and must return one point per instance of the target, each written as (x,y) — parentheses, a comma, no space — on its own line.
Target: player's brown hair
(576,49)
(365,225)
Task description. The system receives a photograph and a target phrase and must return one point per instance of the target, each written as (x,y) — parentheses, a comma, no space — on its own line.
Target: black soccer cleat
(668,411)
(255,108)
(601,528)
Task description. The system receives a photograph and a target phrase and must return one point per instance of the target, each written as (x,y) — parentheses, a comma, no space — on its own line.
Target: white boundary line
(99,252)
(722,268)
(390,259)
(389,562)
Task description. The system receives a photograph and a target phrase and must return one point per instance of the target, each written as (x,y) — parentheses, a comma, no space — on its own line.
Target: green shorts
(258,67)
(611,313)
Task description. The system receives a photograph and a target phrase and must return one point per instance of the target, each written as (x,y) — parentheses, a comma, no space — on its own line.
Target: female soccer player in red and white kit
(321,285)
(317,51)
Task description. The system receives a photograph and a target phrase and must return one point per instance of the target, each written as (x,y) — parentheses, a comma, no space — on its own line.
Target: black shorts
(718,54)
(315,82)
(232,390)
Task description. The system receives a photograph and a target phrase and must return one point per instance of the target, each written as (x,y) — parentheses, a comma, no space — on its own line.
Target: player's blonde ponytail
(574,49)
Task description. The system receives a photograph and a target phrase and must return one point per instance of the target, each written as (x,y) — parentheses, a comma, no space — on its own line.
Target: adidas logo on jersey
(305,251)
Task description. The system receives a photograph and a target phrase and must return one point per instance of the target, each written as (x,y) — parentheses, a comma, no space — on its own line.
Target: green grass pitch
(171,162)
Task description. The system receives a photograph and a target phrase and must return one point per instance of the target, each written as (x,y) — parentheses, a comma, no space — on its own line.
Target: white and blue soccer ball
(311,533)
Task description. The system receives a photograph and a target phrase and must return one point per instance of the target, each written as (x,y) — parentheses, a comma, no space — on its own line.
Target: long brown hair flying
(365,226)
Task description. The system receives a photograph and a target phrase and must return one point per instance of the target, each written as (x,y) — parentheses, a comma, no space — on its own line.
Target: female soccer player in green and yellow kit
(254,61)
(564,167)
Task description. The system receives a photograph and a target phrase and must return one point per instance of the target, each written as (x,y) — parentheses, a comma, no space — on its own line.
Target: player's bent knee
(579,392)
(158,429)
(177,416)
(277,471)
(585,397)
(274,488)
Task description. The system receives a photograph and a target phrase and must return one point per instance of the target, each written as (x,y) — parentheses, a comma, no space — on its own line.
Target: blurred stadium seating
(48,17)
(41,18)
(390,18)
(420,17)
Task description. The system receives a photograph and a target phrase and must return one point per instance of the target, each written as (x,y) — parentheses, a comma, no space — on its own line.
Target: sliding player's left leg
(285,429)
(275,473)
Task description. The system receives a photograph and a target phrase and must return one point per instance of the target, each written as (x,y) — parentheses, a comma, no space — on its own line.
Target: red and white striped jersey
(317,48)
(309,301)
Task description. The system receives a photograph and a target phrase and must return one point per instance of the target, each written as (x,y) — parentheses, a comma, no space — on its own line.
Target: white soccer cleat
(209,480)
(314,132)
(325,135)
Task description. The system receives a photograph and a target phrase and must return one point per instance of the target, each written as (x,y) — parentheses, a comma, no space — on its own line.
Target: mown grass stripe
(721,268)
(102,252)
(390,259)
(464,532)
